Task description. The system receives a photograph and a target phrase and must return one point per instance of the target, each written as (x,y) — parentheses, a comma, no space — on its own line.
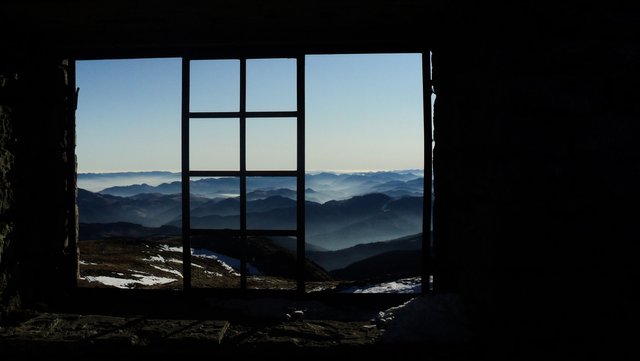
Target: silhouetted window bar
(243,233)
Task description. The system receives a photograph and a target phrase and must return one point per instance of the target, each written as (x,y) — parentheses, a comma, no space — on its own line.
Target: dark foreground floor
(96,337)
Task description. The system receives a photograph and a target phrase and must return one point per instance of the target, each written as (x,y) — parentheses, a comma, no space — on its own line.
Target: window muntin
(251,242)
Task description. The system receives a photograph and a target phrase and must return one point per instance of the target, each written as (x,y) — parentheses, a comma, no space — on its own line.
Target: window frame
(187,173)
(428,271)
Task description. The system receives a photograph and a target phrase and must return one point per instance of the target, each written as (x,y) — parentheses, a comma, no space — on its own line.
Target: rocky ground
(157,264)
(99,337)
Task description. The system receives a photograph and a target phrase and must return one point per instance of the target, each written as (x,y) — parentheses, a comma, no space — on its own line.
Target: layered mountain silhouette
(331,225)
(321,187)
(388,265)
(333,260)
(358,226)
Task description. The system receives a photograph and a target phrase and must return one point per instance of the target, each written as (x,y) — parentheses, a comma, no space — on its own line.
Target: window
(128,145)
(264,117)
(300,174)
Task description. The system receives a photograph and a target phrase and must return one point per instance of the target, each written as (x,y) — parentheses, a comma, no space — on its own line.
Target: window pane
(214,144)
(271,84)
(214,86)
(215,262)
(271,203)
(271,144)
(364,143)
(128,151)
(215,203)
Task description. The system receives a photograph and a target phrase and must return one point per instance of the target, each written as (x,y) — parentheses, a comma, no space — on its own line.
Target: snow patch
(218,274)
(229,263)
(169,270)
(128,283)
(152,280)
(86,263)
(404,285)
(167,248)
(157,258)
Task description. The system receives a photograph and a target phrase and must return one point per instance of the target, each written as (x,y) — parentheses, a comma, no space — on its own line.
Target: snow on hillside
(404,285)
(127,283)
(161,263)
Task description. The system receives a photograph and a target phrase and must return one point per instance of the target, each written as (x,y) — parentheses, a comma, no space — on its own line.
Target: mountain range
(321,187)
(331,225)
(359,227)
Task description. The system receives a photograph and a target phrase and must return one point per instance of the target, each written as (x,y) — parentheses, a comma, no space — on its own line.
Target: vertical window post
(186,213)
(300,187)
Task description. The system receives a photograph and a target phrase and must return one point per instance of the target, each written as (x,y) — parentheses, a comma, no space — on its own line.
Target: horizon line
(308,171)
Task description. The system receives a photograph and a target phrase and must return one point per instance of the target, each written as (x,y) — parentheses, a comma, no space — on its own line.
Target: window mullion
(243,172)
(186,212)
(300,187)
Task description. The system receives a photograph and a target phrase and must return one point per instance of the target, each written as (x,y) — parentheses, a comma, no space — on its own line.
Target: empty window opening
(293,174)
(128,149)
(365,176)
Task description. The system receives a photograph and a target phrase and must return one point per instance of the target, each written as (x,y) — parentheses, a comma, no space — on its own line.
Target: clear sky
(363,112)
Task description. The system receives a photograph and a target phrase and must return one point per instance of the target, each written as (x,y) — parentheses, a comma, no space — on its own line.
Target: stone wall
(37,263)
(7,181)
(537,166)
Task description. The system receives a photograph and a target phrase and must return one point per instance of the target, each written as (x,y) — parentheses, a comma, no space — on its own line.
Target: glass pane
(271,263)
(271,84)
(215,203)
(271,203)
(128,153)
(215,262)
(214,86)
(364,143)
(271,144)
(214,144)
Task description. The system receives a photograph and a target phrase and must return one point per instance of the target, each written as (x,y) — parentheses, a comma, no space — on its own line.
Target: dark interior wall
(536,153)
(37,260)
(37,238)
(144,27)
(536,171)
(7,182)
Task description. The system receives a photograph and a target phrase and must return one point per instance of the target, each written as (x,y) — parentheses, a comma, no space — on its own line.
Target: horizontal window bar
(290,114)
(214,115)
(272,232)
(274,114)
(215,232)
(214,173)
(237,173)
(238,233)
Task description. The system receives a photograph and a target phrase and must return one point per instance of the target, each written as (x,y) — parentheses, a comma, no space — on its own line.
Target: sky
(363,113)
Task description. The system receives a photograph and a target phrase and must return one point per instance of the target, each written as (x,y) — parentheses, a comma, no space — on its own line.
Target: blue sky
(363,112)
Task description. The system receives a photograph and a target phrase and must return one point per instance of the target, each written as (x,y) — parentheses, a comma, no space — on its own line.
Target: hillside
(332,225)
(332,260)
(97,231)
(156,262)
(388,266)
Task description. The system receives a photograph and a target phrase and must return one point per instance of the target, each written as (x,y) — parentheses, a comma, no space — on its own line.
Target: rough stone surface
(97,334)
(36,249)
(7,181)
(38,334)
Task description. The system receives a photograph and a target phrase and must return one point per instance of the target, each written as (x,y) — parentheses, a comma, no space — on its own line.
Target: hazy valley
(363,227)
